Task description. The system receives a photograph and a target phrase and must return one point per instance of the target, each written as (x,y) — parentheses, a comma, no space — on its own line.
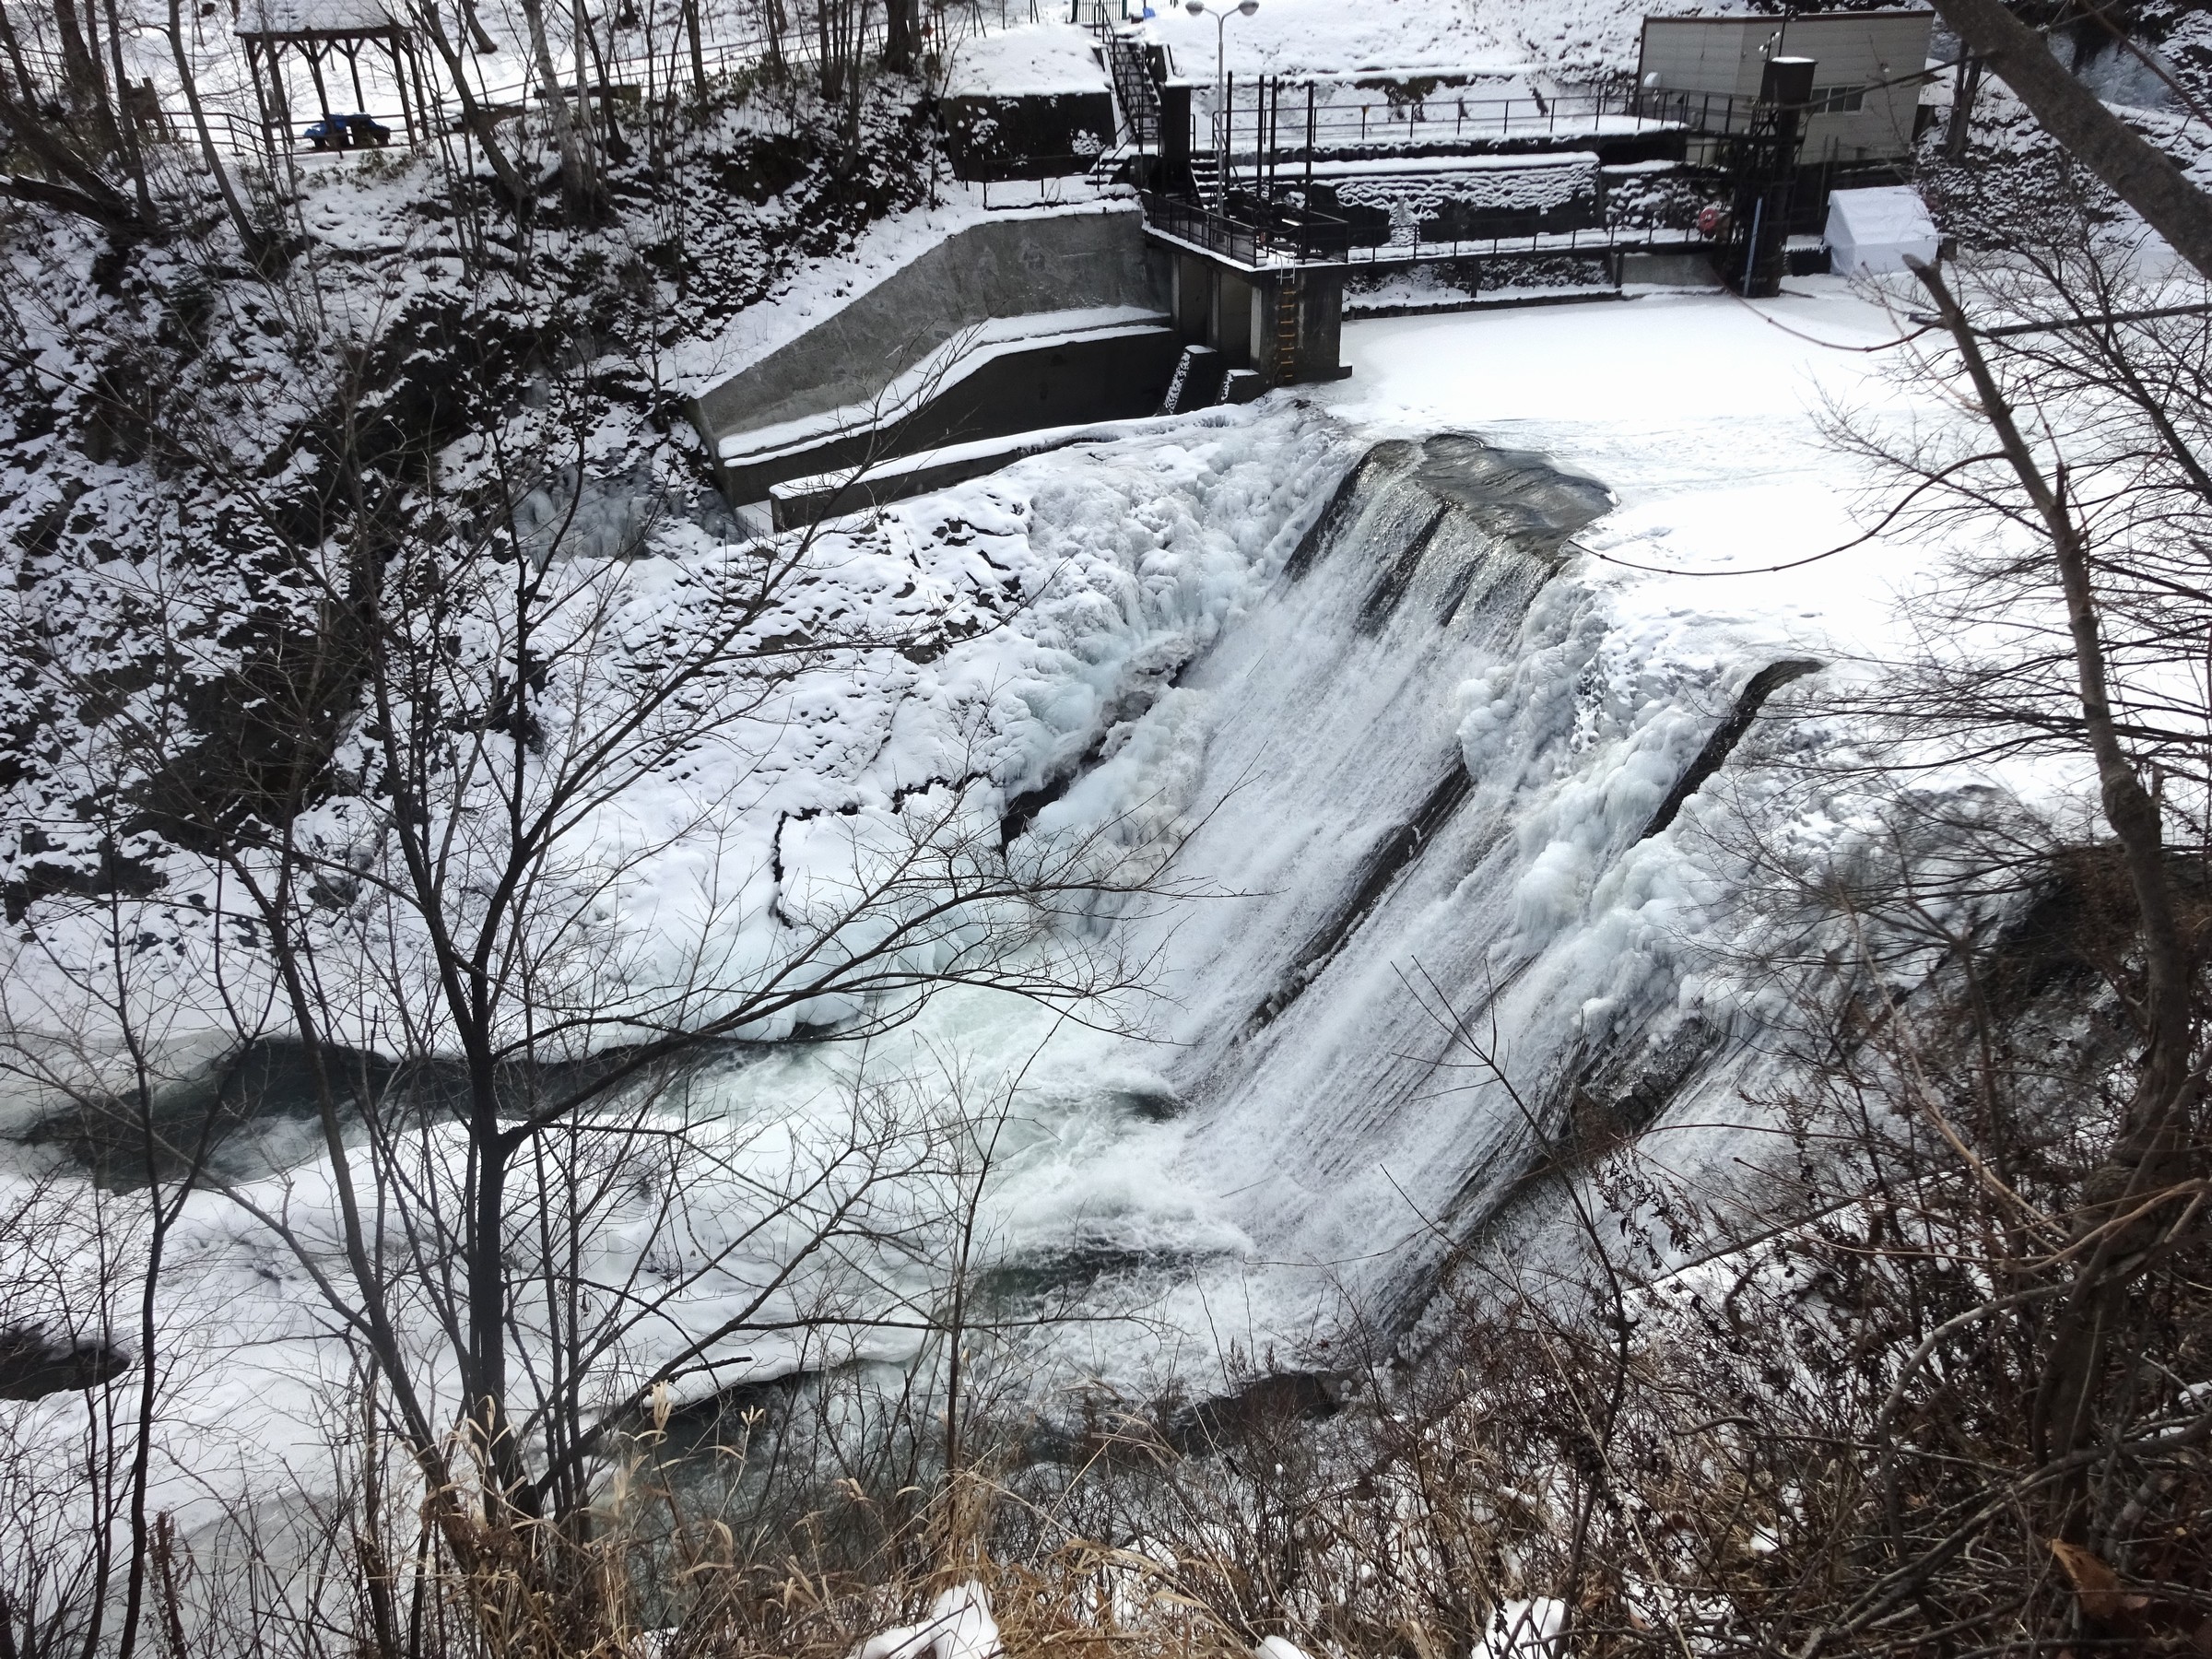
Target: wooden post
(400,64)
(314,68)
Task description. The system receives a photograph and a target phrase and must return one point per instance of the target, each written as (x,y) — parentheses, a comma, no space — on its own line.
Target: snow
(1445,167)
(1138,616)
(998,450)
(1090,572)
(1136,620)
(960,1625)
(950,363)
(1525,184)
(1524,1630)
(312,16)
(1034,60)
(1297,744)
(1491,37)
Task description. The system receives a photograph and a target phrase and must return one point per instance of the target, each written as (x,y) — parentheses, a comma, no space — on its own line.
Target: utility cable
(1887,518)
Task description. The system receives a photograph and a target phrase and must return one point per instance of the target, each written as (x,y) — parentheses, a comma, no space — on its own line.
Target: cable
(1888,518)
(1630,564)
(1829,345)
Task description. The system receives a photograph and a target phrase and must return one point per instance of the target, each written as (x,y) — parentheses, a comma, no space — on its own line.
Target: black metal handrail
(1276,123)
(1255,233)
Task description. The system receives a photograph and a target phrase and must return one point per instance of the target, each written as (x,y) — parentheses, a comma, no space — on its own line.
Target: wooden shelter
(318,31)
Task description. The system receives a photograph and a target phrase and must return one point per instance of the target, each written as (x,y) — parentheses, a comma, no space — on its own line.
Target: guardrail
(652,74)
(1280,118)
(1260,235)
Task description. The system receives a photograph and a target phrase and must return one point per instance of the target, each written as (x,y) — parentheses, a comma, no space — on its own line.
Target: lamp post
(1198,9)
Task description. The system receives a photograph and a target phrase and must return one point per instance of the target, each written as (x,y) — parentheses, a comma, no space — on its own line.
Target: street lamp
(1198,9)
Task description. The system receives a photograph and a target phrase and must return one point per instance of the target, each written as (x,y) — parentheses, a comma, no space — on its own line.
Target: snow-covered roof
(1409,166)
(1037,60)
(313,18)
(1426,38)
(1893,214)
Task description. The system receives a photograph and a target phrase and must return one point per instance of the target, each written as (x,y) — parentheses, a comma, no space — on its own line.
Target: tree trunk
(487,1378)
(699,51)
(247,235)
(29,86)
(80,188)
(474,117)
(576,193)
(134,154)
(615,148)
(478,36)
(855,50)
(79,67)
(1960,129)
(901,36)
(87,86)
(2136,170)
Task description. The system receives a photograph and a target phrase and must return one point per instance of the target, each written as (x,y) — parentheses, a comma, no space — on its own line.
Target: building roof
(298,19)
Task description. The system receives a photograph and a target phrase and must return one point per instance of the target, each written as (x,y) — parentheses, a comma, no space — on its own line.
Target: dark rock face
(35,1362)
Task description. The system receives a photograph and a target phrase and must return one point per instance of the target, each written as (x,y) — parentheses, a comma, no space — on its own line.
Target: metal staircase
(1133,93)
(1205,176)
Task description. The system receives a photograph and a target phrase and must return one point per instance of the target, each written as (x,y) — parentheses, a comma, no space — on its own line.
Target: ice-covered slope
(1414,742)
(1428,763)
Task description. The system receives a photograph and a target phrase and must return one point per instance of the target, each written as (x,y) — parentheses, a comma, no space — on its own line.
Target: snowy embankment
(1474,37)
(1064,586)
(1417,747)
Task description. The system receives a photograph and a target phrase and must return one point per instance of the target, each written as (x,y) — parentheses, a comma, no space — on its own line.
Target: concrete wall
(1008,268)
(1052,384)
(1231,332)
(1226,312)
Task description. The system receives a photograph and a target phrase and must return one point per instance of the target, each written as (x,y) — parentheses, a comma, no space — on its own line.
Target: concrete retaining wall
(1008,268)
(1107,376)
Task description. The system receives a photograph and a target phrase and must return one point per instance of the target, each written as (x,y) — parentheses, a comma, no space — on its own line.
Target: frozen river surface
(1412,669)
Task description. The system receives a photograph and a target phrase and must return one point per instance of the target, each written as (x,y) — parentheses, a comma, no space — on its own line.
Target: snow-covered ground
(1034,60)
(1242,1182)
(1486,36)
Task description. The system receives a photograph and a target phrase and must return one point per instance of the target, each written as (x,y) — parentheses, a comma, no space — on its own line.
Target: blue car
(348,131)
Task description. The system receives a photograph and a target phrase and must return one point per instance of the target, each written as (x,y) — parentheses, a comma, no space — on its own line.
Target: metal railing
(1255,233)
(1280,118)
(1285,118)
(650,75)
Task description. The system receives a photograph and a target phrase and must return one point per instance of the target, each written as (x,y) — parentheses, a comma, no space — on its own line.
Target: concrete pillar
(1194,299)
(1234,302)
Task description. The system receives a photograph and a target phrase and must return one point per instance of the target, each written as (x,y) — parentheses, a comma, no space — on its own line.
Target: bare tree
(462,850)
(2137,172)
